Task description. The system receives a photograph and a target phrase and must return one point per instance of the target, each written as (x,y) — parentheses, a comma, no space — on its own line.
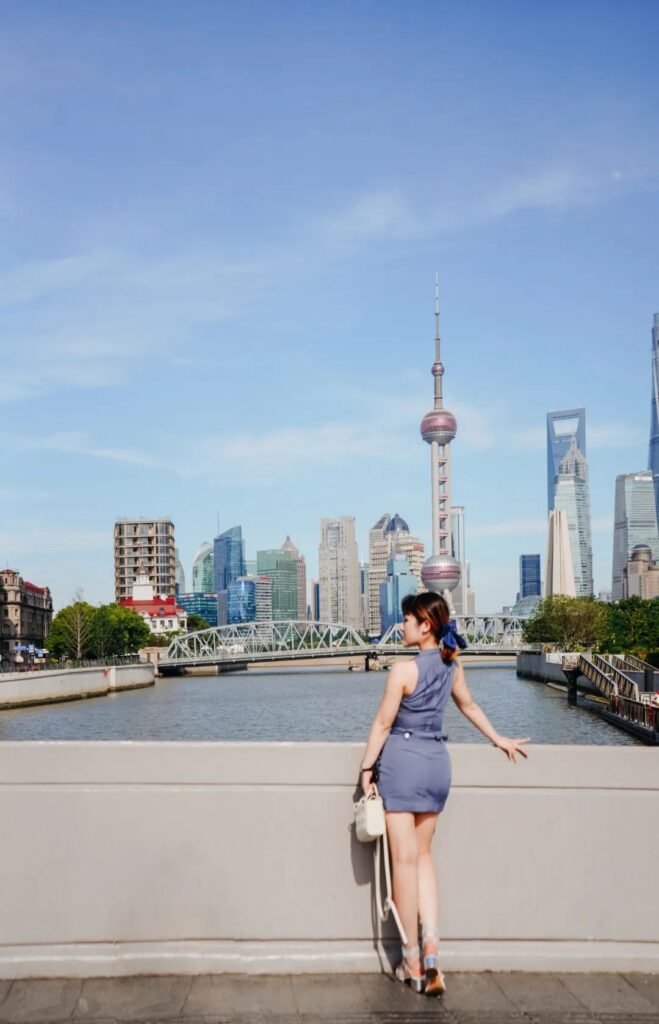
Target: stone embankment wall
(139,858)
(19,689)
(536,665)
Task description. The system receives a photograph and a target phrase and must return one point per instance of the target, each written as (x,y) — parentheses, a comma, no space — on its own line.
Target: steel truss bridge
(253,642)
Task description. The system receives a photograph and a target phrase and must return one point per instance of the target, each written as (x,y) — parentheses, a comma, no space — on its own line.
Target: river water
(302,704)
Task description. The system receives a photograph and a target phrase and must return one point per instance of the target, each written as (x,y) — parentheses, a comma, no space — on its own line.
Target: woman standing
(406,755)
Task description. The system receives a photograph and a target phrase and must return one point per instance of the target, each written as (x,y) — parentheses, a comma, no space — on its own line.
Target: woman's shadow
(386,940)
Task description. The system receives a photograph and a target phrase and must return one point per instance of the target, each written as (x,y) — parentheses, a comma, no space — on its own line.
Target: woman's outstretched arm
(470,709)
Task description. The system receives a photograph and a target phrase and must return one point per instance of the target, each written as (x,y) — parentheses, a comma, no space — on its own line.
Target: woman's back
(423,709)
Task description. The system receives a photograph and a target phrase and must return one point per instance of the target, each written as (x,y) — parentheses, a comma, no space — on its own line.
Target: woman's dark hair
(433,609)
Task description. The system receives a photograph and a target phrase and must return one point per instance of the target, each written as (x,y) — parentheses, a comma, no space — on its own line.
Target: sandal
(403,972)
(435,984)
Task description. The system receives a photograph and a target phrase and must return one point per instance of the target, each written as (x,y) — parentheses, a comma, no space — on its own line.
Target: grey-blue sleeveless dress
(414,764)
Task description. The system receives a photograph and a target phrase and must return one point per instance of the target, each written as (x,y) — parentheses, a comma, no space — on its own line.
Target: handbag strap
(388,904)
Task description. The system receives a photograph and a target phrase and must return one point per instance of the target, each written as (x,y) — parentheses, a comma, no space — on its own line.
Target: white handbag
(369,818)
(370,827)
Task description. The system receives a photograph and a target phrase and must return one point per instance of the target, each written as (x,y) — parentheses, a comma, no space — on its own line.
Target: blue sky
(221,224)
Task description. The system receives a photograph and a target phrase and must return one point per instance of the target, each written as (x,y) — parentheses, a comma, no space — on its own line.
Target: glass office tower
(229,564)
(202,570)
(280,566)
(654,415)
(572,495)
(530,583)
(562,426)
(634,522)
(399,583)
(249,599)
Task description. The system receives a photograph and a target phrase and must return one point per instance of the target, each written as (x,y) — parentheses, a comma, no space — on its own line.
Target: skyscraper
(301,567)
(634,522)
(398,584)
(280,566)
(559,574)
(388,537)
(144,547)
(441,572)
(339,572)
(179,574)
(562,426)
(249,599)
(654,414)
(529,576)
(202,570)
(458,550)
(571,494)
(229,564)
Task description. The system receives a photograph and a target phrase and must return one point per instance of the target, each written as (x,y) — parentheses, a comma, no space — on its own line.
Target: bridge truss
(279,641)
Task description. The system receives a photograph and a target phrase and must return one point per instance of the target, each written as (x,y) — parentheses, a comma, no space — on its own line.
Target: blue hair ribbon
(451,638)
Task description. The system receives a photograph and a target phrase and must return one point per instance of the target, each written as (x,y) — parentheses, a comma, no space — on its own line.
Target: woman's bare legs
(428,898)
(405,863)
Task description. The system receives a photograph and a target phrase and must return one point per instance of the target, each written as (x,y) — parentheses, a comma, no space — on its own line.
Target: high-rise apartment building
(571,494)
(26,613)
(388,537)
(280,566)
(398,584)
(144,547)
(634,522)
(654,415)
(228,565)
(559,574)
(202,570)
(562,426)
(249,599)
(301,566)
(339,572)
(530,583)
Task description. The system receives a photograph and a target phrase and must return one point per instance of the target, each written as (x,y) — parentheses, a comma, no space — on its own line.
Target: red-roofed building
(161,613)
(26,612)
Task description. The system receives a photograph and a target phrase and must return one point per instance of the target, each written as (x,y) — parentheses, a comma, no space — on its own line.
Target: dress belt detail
(420,734)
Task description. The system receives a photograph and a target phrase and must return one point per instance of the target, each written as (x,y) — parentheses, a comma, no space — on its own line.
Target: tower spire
(437,366)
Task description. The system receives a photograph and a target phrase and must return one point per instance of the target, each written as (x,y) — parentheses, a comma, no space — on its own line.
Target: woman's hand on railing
(510,746)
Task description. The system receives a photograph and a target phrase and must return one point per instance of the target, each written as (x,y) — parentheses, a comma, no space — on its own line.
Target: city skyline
(147,267)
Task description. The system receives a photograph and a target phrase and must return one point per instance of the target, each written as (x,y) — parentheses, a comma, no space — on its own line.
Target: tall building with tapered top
(441,572)
(571,494)
(559,574)
(653,463)
(562,427)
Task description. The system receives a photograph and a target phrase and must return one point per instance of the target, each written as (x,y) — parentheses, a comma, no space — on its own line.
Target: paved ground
(335,999)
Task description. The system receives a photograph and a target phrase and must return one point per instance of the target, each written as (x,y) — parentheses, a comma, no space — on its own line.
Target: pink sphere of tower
(440,573)
(438,425)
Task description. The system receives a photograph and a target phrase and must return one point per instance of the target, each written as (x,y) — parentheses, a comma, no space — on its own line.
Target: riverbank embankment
(22,689)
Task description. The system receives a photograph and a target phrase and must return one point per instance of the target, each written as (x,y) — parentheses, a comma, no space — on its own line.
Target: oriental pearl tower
(441,572)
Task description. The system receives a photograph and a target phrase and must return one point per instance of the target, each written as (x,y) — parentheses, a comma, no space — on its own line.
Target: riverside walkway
(499,998)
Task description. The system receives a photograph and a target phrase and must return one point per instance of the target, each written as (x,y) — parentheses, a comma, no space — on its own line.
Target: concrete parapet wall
(534,665)
(24,688)
(129,858)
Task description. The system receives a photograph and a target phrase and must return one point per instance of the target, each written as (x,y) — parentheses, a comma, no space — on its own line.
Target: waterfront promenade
(356,999)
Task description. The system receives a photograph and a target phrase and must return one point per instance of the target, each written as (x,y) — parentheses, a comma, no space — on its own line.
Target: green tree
(633,625)
(568,622)
(197,622)
(118,630)
(71,631)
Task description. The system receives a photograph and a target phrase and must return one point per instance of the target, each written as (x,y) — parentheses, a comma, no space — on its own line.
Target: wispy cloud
(73,443)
